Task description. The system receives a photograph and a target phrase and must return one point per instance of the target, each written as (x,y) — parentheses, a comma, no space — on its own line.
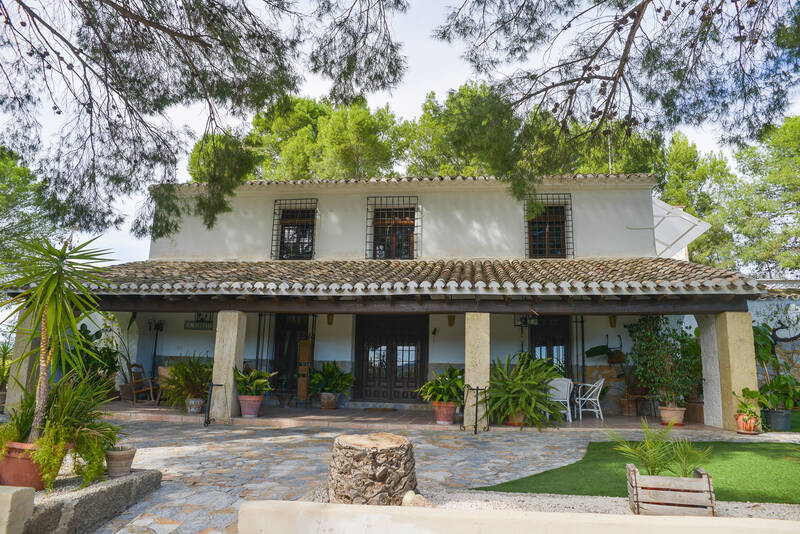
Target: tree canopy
(764,210)
(645,62)
(107,73)
(22,211)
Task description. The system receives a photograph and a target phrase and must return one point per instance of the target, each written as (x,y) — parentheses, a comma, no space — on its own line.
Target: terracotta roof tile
(635,276)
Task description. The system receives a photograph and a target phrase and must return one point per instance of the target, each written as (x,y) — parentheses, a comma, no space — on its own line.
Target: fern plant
(521,387)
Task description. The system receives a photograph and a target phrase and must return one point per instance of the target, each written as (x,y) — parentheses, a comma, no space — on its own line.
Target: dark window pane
(546,234)
(297,235)
(393,233)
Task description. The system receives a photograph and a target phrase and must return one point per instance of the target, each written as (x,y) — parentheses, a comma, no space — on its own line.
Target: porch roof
(590,277)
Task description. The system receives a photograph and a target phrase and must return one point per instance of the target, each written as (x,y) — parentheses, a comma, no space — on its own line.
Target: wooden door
(391,357)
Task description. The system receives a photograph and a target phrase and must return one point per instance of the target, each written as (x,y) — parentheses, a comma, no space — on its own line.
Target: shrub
(445,387)
(330,379)
(73,417)
(189,377)
(252,382)
(665,358)
(656,453)
(520,385)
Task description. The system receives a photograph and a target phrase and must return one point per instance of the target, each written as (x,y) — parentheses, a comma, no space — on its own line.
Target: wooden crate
(656,495)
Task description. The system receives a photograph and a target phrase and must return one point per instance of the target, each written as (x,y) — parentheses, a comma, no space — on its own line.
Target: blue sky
(432,66)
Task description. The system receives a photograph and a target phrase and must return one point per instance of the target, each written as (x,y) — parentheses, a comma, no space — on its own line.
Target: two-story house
(397,278)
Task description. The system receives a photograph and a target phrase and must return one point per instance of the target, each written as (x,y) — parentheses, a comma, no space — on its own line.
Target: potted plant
(445,391)
(519,392)
(665,363)
(49,286)
(119,460)
(251,386)
(328,383)
(780,392)
(187,383)
(748,419)
(657,455)
(74,423)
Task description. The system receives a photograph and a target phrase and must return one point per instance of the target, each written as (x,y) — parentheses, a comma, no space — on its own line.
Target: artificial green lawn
(755,472)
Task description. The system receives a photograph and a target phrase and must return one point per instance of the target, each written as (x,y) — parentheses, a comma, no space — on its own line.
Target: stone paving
(208,473)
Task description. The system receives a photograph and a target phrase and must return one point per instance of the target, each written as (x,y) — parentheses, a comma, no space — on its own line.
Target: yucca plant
(521,387)
(444,387)
(252,382)
(51,285)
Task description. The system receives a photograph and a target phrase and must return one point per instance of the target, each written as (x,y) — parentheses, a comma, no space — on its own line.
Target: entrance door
(550,339)
(289,331)
(391,357)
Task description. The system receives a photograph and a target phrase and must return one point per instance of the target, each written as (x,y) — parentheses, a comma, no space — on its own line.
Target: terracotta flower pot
(671,414)
(329,401)
(445,412)
(515,420)
(195,405)
(18,469)
(746,424)
(119,460)
(250,404)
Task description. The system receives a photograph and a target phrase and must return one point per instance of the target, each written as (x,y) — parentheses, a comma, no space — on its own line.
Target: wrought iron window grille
(549,233)
(294,223)
(394,227)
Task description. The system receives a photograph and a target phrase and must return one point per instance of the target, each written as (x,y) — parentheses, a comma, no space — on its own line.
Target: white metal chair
(561,392)
(588,399)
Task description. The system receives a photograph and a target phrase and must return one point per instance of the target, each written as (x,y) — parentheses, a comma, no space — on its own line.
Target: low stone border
(257,517)
(81,510)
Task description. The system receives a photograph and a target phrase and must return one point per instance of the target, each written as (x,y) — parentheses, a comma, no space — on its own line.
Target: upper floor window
(293,227)
(549,233)
(393,227)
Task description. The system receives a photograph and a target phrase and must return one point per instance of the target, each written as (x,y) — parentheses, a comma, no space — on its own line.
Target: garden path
(208,473)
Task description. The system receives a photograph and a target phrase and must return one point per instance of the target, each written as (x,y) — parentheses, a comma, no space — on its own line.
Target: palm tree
(50,288)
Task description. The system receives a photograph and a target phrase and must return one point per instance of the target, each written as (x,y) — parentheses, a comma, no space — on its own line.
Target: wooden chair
(139,383)
(163,374)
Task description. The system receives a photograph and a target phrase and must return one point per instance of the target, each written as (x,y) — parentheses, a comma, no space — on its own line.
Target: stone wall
(85,509)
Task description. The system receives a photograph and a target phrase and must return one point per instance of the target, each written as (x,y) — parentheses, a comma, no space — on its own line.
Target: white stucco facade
(481,220)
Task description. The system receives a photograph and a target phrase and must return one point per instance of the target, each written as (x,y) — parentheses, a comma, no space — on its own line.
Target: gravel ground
(546,502)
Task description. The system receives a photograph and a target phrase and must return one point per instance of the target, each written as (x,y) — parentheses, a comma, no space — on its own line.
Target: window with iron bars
(293,225)
(394,227)
(549,233)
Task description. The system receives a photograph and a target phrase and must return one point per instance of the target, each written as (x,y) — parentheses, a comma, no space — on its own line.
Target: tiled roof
(559,179)
(620,276)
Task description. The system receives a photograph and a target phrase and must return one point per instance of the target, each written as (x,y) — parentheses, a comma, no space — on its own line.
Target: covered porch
(468,313)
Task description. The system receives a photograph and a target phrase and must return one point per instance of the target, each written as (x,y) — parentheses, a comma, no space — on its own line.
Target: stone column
(228,353)
(477,357)
(24,370)
(729,364)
